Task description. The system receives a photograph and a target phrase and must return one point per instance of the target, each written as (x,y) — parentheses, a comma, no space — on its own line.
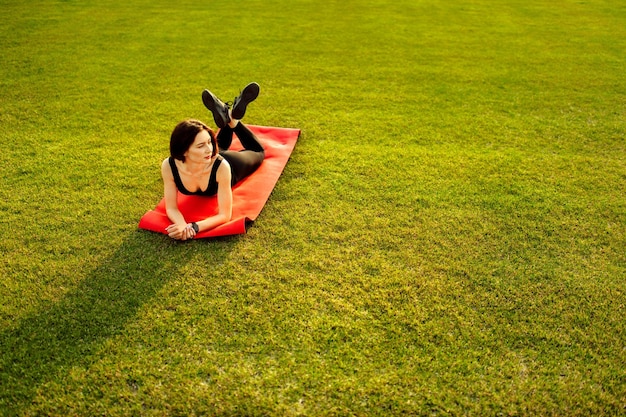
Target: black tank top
(212,186)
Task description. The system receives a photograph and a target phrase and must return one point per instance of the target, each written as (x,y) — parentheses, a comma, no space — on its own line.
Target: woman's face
(201,149)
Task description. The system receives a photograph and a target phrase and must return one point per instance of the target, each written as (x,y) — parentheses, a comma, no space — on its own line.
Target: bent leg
(246,161)
(225,137)
(247,138)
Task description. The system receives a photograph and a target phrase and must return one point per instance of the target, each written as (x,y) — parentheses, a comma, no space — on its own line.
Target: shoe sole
(211,103)
(248,95)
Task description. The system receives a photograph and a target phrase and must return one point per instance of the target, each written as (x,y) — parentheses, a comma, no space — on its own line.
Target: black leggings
(245,161)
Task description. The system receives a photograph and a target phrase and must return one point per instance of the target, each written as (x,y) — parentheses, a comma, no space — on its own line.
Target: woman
(201,164)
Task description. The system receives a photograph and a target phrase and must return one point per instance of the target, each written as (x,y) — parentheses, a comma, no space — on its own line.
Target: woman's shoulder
(223,170)
(166,166)
(221,159)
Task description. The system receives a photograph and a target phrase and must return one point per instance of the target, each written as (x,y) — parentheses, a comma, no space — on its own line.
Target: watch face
(195,227)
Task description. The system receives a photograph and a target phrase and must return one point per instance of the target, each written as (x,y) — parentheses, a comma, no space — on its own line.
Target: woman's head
(184,135)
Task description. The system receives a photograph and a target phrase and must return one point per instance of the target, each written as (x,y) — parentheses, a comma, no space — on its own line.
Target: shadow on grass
(68,333)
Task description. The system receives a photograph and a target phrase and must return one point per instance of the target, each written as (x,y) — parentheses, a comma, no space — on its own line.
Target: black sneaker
(248,95)
(219,109)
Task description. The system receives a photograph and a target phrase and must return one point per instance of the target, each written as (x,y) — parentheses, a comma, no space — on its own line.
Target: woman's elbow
(223,217)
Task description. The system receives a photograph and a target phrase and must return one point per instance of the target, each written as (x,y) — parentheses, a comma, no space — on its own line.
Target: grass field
(448,238)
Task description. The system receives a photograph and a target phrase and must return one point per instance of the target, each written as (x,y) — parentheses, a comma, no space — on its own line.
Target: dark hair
(183,136)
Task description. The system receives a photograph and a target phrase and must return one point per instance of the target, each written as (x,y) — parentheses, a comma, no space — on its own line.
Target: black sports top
(212,186)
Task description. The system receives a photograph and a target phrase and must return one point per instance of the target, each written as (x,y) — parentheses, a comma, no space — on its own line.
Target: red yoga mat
(249,196)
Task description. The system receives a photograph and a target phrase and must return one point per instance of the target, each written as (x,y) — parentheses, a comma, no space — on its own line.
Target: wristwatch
(195,227)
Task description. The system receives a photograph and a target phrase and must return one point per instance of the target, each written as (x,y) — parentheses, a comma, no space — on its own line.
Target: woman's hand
(180,231)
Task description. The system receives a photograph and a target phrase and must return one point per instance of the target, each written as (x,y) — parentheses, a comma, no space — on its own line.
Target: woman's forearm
(213,221)
(175,216)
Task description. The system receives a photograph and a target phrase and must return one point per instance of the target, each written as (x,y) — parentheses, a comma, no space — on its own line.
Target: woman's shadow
(70,331)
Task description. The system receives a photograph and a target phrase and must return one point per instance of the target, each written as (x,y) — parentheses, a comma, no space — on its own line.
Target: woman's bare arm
(224,199)
(178,229)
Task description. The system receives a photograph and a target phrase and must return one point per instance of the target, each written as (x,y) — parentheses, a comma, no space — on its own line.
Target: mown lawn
(448,238)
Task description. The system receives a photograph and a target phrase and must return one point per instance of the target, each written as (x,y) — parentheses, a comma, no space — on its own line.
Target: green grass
(448,238)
